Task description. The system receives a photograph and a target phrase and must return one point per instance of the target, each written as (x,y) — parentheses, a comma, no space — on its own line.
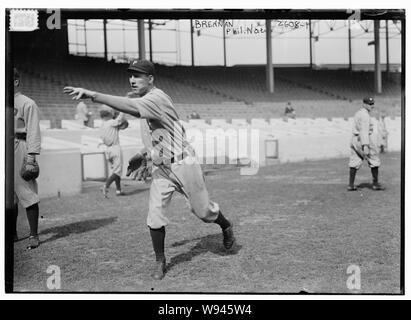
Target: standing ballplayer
(109,134)
(27,145)
(175,167)
(363,147)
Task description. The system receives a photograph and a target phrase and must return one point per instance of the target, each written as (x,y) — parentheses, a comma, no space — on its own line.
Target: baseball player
(175,167)
(83,114)
(27,145)
(363,145)
(382,132)
(109,134)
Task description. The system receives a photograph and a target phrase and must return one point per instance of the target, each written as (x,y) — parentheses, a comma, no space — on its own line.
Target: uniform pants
(25,192)
(115,159)
(186,177)
(357,158)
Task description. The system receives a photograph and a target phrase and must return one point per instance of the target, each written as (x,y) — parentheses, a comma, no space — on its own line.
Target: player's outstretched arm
(122,104)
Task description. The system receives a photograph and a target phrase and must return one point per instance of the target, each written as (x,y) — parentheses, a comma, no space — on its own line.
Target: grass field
(297,229)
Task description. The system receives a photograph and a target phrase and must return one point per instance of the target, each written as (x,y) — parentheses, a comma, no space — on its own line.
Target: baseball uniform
(82,113)
(109,134)
(382,134)
(27,140)
(175,167)
(363,134)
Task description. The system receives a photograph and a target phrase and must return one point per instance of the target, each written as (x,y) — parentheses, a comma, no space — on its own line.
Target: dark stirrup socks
(110,180)
(222,221)
(157,237)
(353,171)
(117,180)
(33,218)
(374,172)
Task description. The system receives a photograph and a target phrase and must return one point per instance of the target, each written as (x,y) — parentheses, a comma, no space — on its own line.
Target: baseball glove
(123,125)
(138,166)
(30,169)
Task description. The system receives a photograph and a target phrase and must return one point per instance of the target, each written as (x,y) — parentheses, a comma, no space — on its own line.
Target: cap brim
(137,70)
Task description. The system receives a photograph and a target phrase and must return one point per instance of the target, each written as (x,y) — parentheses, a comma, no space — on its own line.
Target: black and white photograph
(204,151)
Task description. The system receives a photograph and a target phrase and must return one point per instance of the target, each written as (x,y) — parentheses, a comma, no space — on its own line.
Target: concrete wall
(60,173)
(298,140)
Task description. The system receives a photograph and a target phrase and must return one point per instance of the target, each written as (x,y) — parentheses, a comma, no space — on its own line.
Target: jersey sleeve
(364,128)
(147,107)
(32,121)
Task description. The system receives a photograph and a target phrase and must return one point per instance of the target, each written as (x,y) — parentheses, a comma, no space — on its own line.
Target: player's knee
(206,215)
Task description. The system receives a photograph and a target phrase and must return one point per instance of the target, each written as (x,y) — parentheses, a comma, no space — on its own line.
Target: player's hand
(79,93)
(366,150)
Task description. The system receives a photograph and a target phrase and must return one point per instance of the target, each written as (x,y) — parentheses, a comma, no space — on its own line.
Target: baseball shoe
(377,187)
(159,270)
(351,188)
(228,237)
(119,193)
(33,242)
(104,191)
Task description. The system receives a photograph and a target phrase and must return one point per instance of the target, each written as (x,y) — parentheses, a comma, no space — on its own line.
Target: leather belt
(20,135)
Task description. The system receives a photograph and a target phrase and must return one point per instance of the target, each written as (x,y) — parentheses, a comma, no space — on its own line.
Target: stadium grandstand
(212,91)
(237,84)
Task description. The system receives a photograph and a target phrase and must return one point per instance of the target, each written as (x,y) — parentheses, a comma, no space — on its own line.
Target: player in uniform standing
(363,145)
(27,144)
(109,134)
(175,167)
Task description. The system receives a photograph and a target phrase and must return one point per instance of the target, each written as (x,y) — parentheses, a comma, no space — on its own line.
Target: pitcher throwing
(175,167)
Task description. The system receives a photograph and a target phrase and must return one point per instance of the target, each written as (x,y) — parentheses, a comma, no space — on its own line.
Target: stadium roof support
(349,46)
(224,45)
(377,68)
(192,42)
(387,46)
(141,41)
(150,39)
(311,43)
(269,70)
(105,38)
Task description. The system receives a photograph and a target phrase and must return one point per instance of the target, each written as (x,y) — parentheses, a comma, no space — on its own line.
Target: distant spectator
(83,114)
(193,115)
(289,111)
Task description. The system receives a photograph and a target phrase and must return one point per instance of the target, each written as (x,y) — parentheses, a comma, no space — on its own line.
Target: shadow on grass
(135,191)
(76,228)
(365,185)
(211,243)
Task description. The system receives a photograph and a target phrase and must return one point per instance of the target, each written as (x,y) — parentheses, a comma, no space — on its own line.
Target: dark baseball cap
(368,100)
(141,66)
